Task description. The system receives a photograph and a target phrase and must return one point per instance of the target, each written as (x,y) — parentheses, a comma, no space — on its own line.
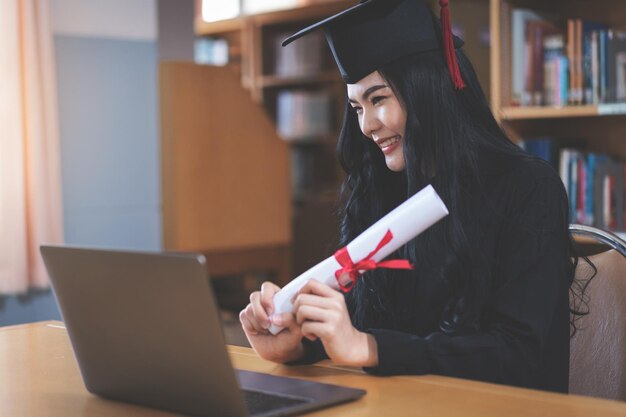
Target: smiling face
(381,117)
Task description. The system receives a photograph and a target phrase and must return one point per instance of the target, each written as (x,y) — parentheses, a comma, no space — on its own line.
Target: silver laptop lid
(135,345)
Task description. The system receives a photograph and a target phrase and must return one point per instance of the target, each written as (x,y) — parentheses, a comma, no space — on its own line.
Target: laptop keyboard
(261,402)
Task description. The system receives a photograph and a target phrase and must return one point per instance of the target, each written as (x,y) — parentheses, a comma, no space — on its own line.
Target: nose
(370,123)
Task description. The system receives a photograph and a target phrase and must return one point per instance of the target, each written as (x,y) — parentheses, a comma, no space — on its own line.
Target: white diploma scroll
(405,222)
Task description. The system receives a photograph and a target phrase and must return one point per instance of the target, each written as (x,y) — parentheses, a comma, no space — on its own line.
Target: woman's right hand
(286,346)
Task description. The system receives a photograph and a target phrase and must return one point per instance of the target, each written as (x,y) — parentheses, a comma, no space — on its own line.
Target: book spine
(579,63)
(573,184)
(580,193)
(571,56)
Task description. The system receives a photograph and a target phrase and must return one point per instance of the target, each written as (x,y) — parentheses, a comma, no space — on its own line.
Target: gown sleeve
(313,352)
(528,300)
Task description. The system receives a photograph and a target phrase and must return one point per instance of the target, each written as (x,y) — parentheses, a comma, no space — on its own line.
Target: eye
(377,99)
(358,110)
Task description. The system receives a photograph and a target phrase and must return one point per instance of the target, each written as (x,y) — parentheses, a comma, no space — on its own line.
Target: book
(555,88)
(594,183)
(564,159)
(573,184)
(578,57)
(302,58)
(581,185)
(572,59)
(591,60)
(593,160)
(544,148)
(519,20)
(603,34)
(303,115)
(536,31)
(620,87)
(616,48)
(609,185)
(209,51)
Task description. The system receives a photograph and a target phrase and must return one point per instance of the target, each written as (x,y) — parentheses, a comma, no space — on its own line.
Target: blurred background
(183,125)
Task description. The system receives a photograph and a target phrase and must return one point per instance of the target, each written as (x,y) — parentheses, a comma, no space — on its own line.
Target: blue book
(587,28)
(604,69)
(542,148)
(564,80)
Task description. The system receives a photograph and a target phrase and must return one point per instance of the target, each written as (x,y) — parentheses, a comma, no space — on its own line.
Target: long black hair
(452,133)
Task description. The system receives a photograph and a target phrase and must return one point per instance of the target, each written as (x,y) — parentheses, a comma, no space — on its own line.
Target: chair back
(598,349)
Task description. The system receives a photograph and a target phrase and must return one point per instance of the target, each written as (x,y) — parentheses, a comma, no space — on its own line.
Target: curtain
(30,174)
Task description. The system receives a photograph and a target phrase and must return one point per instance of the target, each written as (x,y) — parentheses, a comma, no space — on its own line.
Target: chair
(598,349)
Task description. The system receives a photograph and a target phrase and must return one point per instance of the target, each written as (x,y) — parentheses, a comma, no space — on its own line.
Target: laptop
(145,329)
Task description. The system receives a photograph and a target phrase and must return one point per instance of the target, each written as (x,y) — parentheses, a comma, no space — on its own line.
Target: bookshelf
(545,112)
(610,12)
(594,121)
(274,81)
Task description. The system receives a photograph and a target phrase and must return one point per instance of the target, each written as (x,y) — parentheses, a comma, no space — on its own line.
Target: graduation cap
(373,33)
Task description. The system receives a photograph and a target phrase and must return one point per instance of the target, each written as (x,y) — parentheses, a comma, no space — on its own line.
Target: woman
(488,297)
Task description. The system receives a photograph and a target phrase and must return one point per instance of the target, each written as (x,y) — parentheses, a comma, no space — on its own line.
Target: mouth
(388,144)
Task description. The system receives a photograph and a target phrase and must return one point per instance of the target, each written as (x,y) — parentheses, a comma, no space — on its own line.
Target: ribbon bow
(355,270)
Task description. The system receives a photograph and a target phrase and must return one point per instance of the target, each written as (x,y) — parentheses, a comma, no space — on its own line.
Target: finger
(259,311)
(313,330)
(284,320)
(268,289)
(310,313)
(345,279)
(318,288)
(245,323)
(254,320)
(316,301)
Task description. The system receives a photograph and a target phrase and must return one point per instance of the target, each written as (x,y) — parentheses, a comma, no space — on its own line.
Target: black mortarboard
(373,33)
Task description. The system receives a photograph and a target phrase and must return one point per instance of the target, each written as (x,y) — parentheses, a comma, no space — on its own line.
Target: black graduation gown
(523,335)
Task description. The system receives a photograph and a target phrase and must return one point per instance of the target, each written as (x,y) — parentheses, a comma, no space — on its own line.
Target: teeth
(389,142)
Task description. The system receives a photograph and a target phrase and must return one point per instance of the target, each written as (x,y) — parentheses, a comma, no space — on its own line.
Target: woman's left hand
(322,313)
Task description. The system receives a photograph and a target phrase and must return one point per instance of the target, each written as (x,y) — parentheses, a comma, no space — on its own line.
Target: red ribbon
(355,270)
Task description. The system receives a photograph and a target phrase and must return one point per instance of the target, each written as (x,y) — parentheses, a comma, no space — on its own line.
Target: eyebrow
(369,92)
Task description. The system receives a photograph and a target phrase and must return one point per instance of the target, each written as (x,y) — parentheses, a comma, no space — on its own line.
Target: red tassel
(448,46)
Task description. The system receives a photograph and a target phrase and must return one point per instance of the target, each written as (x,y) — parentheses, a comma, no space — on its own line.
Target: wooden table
(39,378)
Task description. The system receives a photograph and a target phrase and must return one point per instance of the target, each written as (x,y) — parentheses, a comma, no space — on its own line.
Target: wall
(106,64)
(109,141)
(176,35)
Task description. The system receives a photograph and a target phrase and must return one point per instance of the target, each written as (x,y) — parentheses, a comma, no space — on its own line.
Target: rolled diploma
(406,221)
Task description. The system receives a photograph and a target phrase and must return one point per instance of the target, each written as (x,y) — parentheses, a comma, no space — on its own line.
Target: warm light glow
(259,6)
(214,10)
